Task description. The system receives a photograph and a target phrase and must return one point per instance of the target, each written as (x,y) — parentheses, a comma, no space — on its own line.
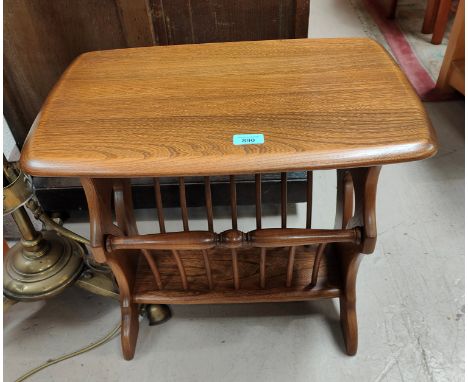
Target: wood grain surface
(172,111)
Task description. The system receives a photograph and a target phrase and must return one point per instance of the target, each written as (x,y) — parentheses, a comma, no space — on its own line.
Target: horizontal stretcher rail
(261,238)
(234,296)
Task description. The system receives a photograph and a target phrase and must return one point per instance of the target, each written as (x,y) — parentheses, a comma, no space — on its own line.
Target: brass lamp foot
(98,283)
(156,313)
(41,268)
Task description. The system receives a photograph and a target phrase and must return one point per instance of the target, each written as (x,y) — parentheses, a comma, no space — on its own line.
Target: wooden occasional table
(173,111)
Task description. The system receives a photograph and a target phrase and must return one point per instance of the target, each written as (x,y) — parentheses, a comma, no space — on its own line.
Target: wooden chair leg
(430,16)
(441,21)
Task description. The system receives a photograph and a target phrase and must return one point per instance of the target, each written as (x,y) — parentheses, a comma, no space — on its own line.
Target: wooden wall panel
(200,21)
(41,38)
(136,20)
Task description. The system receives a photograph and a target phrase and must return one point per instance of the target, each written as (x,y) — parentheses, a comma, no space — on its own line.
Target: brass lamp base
(41,269)
(44,263)
(156,313)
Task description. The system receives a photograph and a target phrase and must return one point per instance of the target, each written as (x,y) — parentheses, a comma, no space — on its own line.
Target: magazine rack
(210,110)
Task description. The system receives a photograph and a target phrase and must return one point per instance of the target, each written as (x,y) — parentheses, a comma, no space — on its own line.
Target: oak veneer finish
(172,111)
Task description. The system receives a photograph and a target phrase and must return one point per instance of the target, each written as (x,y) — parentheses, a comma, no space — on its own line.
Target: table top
(173,111)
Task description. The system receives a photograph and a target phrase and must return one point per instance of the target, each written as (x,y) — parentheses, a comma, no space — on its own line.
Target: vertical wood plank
(159,205)
(202,21)
(232,183)
(136,21)
(183,203)
(258,200)
(181,268)
(32,36)
(284,199)
(310,186)
(208,203)
(160,27)
(301,21)
(289,273)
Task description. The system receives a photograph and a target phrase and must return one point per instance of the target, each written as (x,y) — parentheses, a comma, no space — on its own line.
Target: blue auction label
(248,139)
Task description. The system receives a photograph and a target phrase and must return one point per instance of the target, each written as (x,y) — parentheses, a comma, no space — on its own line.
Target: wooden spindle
(208,269)
(232,183)
(209,204)
(154,268)
(315,270)
(289,274)
(348,199)
(310,185)
(262,267)
(284,199)
(183,203)
(235,268)
(181,268)
(159,205)
(258,199)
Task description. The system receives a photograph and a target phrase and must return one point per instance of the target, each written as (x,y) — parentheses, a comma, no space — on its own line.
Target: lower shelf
(223,291)
(233,296)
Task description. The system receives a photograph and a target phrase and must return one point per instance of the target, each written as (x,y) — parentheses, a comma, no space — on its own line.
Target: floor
(410,293)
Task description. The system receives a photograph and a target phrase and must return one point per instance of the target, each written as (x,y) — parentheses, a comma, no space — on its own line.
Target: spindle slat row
(193,240)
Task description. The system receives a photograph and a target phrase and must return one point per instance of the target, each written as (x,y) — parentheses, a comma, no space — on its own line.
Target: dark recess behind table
(42,37)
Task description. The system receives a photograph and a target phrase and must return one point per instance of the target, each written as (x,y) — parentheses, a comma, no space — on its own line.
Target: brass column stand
(41,265)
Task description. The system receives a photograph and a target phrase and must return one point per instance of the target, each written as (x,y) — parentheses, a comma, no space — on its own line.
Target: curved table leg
(348,316)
